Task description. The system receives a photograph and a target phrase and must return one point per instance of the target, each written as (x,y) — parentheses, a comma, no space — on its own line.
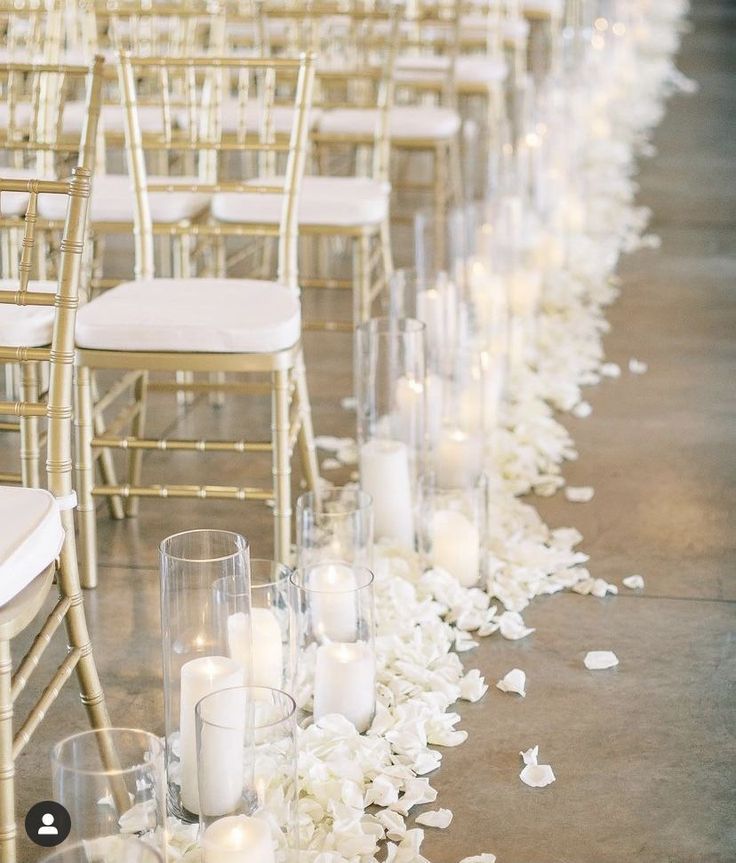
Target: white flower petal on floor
(537,775)
(637,367)
(440,818)
(597,660)
(579,494)
(611,370)
(511,625)
(514,681)
(531,755)
(582,410)
(480,858)
(634,582)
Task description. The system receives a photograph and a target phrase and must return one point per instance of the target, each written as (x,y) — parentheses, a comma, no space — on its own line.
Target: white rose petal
(596,660)
(637,367)
(512,626)
(473,687)
(480,858)
(611,370)
(537,775)
(530,755)
(435,818)
(634,582)
(579,494)
(513,681)
(582,410)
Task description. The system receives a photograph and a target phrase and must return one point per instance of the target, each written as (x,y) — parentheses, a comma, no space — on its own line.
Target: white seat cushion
(543,7)
(339,201)
(113,201)
(405,122)
(514,30)
(30,539)
(28,326)
(112,118)
(192,316)
(470,68)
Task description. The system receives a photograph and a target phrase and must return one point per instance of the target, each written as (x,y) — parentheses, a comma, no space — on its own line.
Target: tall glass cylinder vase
(247,757)
(334,524)
(391,392)
(265,644)
(195,650)
(111,781)
(337,665)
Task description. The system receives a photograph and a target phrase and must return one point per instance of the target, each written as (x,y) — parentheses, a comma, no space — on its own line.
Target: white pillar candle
(345,683)
(237,839)
(430,312)
(264,662)
(456,546)
(410,405)
(200,677)
(457,459)
(384,474)
(332,598)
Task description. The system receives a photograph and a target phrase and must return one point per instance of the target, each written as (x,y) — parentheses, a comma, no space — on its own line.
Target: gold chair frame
(291,414)
(16,615)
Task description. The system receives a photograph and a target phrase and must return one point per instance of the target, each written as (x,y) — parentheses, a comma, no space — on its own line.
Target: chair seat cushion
(112,118)
(470,68)
(191,316)
(542,7)
(30,539)
(339,201)
(113,201)
(28,326)
(514,30)
(406,122)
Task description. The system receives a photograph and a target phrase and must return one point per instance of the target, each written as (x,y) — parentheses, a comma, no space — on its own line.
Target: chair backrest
(57,408)
(33,116)
(356,47)
(31,31)
(191,95)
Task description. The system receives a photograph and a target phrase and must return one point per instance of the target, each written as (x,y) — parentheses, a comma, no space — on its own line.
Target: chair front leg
(85,470)
(7,763)
(306,430)
(135,457)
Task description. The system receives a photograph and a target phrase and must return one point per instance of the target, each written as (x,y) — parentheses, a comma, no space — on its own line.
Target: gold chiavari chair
(356,52)
(37,539)
(30,31)
(424,120)
(32,145)
(211,325)
(145,29)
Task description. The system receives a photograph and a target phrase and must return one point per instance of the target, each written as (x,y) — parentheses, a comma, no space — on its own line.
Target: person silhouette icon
(48,823)
(48,828)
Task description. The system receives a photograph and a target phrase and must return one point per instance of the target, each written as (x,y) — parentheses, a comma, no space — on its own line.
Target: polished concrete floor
(644,755)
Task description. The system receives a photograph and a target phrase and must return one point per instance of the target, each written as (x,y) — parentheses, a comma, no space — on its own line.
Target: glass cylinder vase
(391,393)
(454,529)
(336,661)
(195,650)
(111,781)
(334,524)
(264,644)
(247,757)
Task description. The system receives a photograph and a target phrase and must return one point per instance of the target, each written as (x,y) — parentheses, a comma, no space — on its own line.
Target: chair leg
(7,763)
(457,192)
(29,451)
(85,468)
(107,465)
(135,457)
(306,430)
(281,468)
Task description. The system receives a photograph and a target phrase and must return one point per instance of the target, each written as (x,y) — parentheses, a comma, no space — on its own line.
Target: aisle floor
(644,754)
